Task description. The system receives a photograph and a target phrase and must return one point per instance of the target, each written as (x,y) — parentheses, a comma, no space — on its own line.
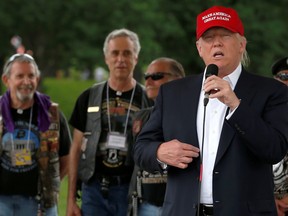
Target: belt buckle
(119,180)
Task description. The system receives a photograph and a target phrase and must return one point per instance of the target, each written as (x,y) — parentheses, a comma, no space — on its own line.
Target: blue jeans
(147,209)
(17,205)
(93,202)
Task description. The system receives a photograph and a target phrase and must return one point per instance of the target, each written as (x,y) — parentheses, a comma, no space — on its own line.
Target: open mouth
(218,54)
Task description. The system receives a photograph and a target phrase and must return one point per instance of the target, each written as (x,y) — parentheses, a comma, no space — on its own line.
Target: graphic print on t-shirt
(111,158)
(17,141)
(19,179)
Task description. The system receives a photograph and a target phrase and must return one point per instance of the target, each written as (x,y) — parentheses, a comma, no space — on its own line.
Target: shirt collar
(233,77)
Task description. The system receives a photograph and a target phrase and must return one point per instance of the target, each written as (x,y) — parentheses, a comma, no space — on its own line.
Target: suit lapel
(226,137)
(193,106)
(244,91)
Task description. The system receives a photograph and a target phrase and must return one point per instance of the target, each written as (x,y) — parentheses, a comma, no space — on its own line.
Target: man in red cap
(217,136)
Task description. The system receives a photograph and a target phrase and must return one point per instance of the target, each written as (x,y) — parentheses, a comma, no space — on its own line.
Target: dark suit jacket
(252,140)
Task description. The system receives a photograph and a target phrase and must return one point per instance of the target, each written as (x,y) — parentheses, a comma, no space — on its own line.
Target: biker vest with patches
(47,160)
(93,131)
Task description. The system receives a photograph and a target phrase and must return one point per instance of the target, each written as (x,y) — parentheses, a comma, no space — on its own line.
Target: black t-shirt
(23,179)
(108,160)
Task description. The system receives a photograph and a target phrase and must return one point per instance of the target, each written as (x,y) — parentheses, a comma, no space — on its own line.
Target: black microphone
(212,69)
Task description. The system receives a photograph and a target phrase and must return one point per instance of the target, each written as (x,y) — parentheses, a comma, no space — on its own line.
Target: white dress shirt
(215,114)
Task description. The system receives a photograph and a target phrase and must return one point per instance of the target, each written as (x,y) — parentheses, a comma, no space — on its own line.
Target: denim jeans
(17,205)
(93,202)
(147,209)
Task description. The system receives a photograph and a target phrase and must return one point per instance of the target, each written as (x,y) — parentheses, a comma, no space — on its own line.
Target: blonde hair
(245,60)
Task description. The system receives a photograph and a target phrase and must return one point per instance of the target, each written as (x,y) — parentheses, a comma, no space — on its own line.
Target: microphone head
(212,69)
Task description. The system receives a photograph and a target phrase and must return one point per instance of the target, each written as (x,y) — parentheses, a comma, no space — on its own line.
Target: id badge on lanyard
(116,140)
(20,157)
(21,153)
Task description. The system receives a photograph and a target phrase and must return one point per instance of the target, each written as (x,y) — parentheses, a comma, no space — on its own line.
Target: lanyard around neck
(108,108)
(29,131)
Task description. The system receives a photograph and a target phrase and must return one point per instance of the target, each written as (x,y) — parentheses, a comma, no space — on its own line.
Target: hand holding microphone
(216,87)
(212,69)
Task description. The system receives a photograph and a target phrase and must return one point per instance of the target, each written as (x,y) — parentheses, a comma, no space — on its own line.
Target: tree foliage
(70,33)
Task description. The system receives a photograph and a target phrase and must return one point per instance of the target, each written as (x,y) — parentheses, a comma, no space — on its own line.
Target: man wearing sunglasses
(147,190)
(280,70)
(35,142)
(160,71)
(280,170)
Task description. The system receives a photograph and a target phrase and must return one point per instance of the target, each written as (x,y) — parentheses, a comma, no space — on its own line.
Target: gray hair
(123,33)
(245,60)
(19,58)
(175,67)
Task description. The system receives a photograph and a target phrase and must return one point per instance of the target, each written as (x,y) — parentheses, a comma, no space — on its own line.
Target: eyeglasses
(156,76)
(18,55)
(282,76)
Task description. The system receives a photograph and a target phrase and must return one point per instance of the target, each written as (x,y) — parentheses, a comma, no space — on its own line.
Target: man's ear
(105,60)
(243,43)
(136,58)
(199,48)
(5,80)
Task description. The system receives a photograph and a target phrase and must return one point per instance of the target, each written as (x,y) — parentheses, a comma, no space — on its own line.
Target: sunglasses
(156,76)
(18,55)
(282,76)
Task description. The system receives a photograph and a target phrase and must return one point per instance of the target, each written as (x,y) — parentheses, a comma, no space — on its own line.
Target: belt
(154,180)
(114,180)
(206,209)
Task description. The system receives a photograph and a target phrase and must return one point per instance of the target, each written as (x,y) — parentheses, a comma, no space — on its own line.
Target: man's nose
(120,57)
(217,41)
(26,80)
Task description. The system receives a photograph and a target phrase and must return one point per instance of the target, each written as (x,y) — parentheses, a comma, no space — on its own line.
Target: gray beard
(24,98)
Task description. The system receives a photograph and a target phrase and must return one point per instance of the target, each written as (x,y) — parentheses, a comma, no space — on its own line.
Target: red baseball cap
(219,16)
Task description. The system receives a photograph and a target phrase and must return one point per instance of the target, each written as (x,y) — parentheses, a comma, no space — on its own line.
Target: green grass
(63,197)
(64,92)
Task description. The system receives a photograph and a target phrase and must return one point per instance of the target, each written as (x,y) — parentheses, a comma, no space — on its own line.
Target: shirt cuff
(162,164)
(231,113)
